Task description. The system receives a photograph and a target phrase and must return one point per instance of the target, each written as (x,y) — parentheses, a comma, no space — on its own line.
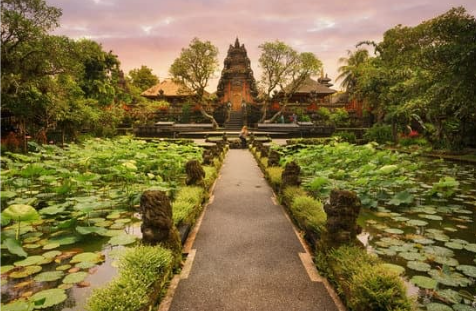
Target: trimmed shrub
(365,284)
(309,212)
(187,205)
(143,271)
(211,174)
(183,212)
(274,176)
(191,194)
(289,193)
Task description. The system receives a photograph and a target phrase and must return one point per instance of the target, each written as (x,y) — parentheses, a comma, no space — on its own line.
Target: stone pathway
(246,254)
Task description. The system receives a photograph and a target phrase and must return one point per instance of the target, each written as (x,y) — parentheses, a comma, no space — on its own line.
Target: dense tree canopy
(143,78)
(425,73)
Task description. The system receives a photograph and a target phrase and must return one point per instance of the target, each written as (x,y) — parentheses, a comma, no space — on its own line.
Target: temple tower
(237,84)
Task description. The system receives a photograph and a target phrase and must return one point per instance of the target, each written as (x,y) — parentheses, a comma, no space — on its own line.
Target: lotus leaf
(89,230)
(63,267)
(14,247)
(453,279)
(64,240)
(32,239)
(104,223)
(31,246)
(460,241)
(51,254)
(387,169)
(470,247)
(467,270)
(394,231)
(52,210)
(403,197)
(446,261)
(434,306)
(18,305)
(401,218)
(65,286)
(50,297)
(424,282)
(87,256)
(416,222)
(114,215)
(412,256)
(449,295)
(385,252)
(435,231)
(25,271)
(6,269)
(438,251)
(423,241)
(85,265)
(395,268)
(461,307)
(75,277)
(122,239)
(49,276)
(31,261)
(51,246)
(123,220)
(418,266)
(21,212)
(117,226)
(111,233)
(431,217)
(454,245)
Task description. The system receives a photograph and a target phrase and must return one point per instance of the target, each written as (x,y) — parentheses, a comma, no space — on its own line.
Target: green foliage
(289,193)
(379,133)
(340,117)
(365,283)
(346,136)
(191,194)
(446,186)
(324,113)
(309,212)
(187,205)
(211,173)
(141,269)
(143,78)
(274,175)
(378,288)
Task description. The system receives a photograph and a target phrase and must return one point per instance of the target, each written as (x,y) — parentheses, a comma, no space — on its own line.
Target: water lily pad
(104,223)
(385,252)
(6,268)
(63,267)
(17,305)
(453,279)
(418,266)
(395,268)
(117,226)
(122,239)
(114,215)
(424,282)
(52,210)
(89,230)
(14,247)
(31,246)
(467,270)
(51,246)
(461,307)
(123,220)
(449,295)
(403,197)
(423,241)
(64,240)
(446,261)
(48,298)
(450,229)
(85,265)
(23,272)
(454,245)
(431,217)
(51,254)
(75,277)
(416,222)
(87,256)
(434,306)
(438,251)
(394,231)
(412,256)
(32,239)
(49,276)
(65,286)
(31,261)
(470,247)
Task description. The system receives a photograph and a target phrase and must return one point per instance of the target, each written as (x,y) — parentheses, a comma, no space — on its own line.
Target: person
(243,135)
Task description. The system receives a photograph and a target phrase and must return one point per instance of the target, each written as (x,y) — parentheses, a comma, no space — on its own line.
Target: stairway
(236,121)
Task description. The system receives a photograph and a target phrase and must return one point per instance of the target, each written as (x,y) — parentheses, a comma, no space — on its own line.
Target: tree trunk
(277,114)
(209,117)
(265,110)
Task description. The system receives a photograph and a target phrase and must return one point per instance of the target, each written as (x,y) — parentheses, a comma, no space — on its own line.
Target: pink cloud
(152,33)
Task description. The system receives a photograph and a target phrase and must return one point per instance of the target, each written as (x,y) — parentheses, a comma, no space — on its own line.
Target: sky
(153,32)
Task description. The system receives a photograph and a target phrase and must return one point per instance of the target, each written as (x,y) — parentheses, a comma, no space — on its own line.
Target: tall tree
(143,78)
(194,68)
(284,70)
(349,70)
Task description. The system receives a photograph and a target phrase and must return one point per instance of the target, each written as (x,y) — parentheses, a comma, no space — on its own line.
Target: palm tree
(348,71)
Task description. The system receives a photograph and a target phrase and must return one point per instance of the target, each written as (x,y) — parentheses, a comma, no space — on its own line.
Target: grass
(142,271)
(187,205)
(211,174)
(309,212)
(274,176)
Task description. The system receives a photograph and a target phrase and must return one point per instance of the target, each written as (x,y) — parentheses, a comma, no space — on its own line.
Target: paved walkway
(246,255)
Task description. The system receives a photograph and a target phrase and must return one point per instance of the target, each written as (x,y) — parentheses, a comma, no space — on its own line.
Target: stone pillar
(195,173)
(342,212)
(290,176)
(157,224)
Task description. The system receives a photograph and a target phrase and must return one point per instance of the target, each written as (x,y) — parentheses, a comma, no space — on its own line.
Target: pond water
(433,239)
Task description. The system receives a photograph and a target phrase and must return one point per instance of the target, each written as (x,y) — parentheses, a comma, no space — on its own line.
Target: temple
(237,84)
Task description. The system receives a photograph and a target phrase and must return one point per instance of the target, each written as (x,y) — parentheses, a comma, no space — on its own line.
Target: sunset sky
(152,33)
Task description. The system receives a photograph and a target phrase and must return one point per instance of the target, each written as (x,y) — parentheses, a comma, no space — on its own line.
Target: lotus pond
(68,212)
(418,214)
